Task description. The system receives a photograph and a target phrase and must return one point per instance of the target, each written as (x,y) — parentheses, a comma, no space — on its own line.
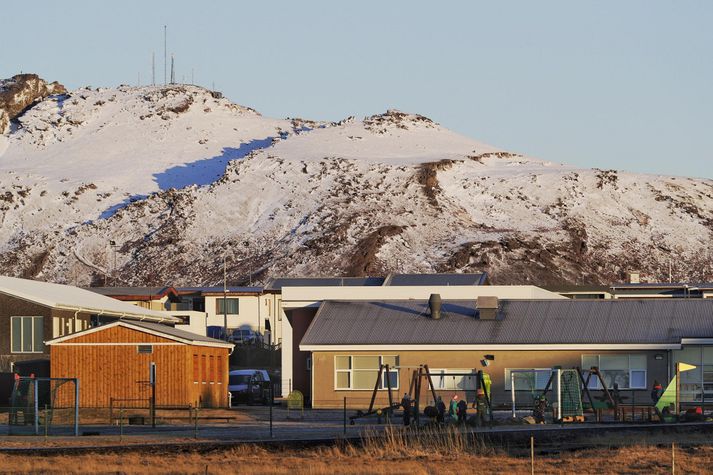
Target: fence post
(195,427)
(532,455)
(345,415)
(76,407)
(673,458)
(46,424)
(272,390)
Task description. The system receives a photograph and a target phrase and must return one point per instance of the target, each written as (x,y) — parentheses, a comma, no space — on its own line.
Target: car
(249,385)
(242,336)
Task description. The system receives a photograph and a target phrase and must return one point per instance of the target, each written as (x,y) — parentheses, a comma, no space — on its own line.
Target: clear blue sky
(617,84)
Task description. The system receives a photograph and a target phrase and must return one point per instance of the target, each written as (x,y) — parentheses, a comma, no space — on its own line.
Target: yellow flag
(685,367)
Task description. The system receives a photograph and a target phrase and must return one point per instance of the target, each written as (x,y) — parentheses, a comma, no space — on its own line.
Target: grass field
(405,453)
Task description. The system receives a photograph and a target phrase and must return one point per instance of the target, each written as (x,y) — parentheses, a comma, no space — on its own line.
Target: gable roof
(576,324)
(157,329)
(68,297)
(437,279)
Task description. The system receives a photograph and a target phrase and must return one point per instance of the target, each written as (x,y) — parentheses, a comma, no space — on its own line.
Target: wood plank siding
(109,365)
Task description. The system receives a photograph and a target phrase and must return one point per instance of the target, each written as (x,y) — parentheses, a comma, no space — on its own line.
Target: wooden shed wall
(108,365)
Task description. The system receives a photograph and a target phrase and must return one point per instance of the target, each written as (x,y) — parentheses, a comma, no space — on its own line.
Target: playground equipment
(668,407)
(566,386)
(25,402)
(415,388)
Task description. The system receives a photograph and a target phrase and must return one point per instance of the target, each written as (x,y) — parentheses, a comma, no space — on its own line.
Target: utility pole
(225,299)
(192,83)
(153,68)
(165,56)
(173,72)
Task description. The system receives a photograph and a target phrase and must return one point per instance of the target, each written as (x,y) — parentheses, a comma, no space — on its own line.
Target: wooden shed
(113,362)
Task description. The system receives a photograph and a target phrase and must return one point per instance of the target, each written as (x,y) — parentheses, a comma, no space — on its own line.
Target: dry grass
(401,452)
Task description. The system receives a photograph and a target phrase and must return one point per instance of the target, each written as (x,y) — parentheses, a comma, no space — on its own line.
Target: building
(164,299)
(113,364)
(32,312)
(153,298)
(633,342)
(300,304)
(243,308)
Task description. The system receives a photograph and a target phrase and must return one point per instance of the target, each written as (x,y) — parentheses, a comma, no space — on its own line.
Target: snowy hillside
(179,177)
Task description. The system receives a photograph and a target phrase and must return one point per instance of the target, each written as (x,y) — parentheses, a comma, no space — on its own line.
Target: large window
(626,371)
(232,305)
(27,334)
(361,372)
(454,379)
(527,379)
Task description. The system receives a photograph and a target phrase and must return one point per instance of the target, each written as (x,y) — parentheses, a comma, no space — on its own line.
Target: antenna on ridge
(173,76)
(165,57)
(153,69)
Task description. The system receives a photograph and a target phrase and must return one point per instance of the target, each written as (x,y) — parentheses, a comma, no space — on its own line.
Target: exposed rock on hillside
(21,91)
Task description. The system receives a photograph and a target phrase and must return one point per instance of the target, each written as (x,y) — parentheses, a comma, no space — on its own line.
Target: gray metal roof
(175,332)
(437,279)
(277,284)
(218,289)
(407,322)
(137,291)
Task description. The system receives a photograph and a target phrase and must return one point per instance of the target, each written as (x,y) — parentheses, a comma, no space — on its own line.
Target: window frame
(597,385)
(33,326)
(508,371)
(228,300)
(382,383)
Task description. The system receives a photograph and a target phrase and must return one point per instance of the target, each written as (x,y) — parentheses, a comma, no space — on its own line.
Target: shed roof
(519,322)
(68,297)
(437,279)
(165,331)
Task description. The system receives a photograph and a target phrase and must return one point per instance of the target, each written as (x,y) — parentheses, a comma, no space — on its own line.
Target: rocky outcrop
(20,92)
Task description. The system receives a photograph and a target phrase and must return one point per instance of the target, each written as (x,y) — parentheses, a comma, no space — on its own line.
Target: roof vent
(633,277)
(434,304)
(487,307)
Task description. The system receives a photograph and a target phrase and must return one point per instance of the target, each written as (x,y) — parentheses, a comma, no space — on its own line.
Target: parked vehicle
(249,385)
(242,336)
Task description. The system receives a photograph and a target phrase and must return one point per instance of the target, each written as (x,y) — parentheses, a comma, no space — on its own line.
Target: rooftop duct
(487,307)
(434,304)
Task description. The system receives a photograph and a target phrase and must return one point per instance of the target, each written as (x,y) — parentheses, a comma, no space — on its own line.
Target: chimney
(434,304)
(634,277)
(487,307)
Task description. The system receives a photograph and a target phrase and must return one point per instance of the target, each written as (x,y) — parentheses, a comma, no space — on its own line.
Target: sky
(608,84)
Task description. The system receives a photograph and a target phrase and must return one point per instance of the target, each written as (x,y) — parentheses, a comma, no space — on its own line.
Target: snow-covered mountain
(180,178)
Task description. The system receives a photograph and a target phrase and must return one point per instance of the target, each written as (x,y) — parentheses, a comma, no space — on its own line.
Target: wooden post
(47,421)
(673,455)
(195,427)
(678,390)
(532,455)
(345,415)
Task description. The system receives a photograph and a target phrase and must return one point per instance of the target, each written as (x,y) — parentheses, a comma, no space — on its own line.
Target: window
(232,306)
(212,369)
(626,371)
(360,372)
(196,370)
(144,349)
(27,334)
(204,372)
(527,379)
(219,378)
(454,379)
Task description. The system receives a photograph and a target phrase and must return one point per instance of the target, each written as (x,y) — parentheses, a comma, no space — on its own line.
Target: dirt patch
(428,179)
(363,260)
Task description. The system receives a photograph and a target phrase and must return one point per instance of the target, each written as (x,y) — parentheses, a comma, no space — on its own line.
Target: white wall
(197,321)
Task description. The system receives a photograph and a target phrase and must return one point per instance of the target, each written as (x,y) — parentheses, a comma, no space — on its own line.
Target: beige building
(633,343)
(300,302)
